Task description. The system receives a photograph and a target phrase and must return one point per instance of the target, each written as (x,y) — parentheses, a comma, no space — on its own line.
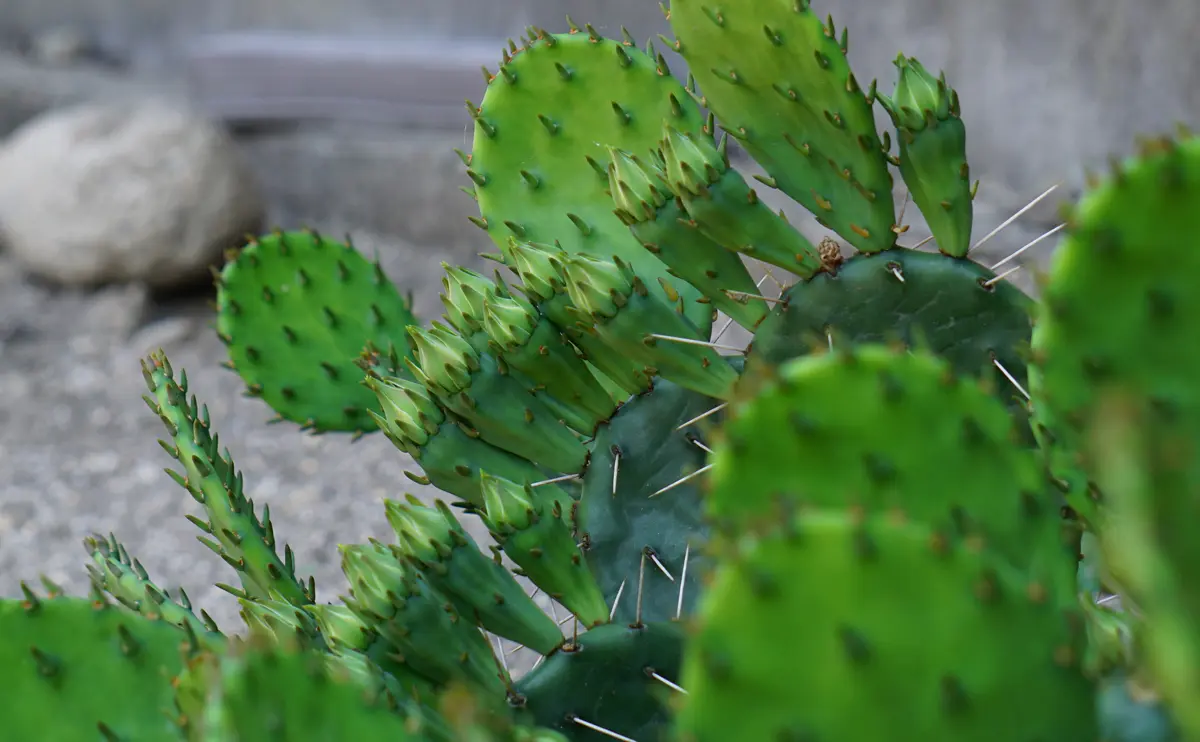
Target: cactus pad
(916,439)
(913,297)
(540,154)
(296,310)
(778,79)
(814,626)
(607,678)
(621,520)
(82,671)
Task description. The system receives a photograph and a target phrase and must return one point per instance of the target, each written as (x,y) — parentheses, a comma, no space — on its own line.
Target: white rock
(111,192)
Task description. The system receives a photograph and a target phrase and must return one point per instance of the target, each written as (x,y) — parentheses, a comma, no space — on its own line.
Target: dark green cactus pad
(941,304)
(296,310)
(811,632)
(778,79)
(269,694)
(81,671)
(233,531)
(641,451)
(879,428)
(539,159)
(607,678)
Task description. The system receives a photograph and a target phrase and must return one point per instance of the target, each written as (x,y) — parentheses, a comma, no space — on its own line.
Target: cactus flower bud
(509,321)
(692,163)
(533,262)
(445,358)
(597,287)
(638,189)
(919,96)
(340,625)
(425,533)
(409,413)
(508,505)
(465,292)
(376,575)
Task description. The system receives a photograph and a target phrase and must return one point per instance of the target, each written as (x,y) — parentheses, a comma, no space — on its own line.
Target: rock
(110,192)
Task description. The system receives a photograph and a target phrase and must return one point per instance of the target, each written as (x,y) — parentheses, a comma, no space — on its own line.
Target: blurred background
(139,138)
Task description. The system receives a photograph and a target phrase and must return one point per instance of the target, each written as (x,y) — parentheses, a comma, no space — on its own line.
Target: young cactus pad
(296,310)
(910,511)
(540,154)
(778,79)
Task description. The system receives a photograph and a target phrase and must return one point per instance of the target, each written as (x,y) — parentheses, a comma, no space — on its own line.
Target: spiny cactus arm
(952,307)
(726,209)
(640,517)
(476,388)
(120,575)
(440,549)
(933,153)
(614,678)
(641,326)
(450,453)
(543,283)
(533,531)
(295,310)
(86,669)
(778,79)
(862,584)
(232,530)
(530,343)
(539,157)
(424,630)
(646,203)
(1117,365)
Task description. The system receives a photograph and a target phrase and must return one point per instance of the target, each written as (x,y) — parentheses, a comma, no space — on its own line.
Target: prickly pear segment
(778,79)
(295,310)
(539,160)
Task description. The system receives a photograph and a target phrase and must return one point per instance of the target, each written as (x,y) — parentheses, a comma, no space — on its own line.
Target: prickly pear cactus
(844,530)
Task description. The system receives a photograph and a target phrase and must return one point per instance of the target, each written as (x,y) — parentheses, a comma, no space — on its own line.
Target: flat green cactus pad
(540,155)
(866,626)
(911,297)
(297,310)
(78,671)
(878,428)
(627,528)
(613,679)
(1117,362)
(778,79)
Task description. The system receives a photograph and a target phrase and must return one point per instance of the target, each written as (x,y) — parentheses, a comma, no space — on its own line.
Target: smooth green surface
(859,627)
(71,668)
